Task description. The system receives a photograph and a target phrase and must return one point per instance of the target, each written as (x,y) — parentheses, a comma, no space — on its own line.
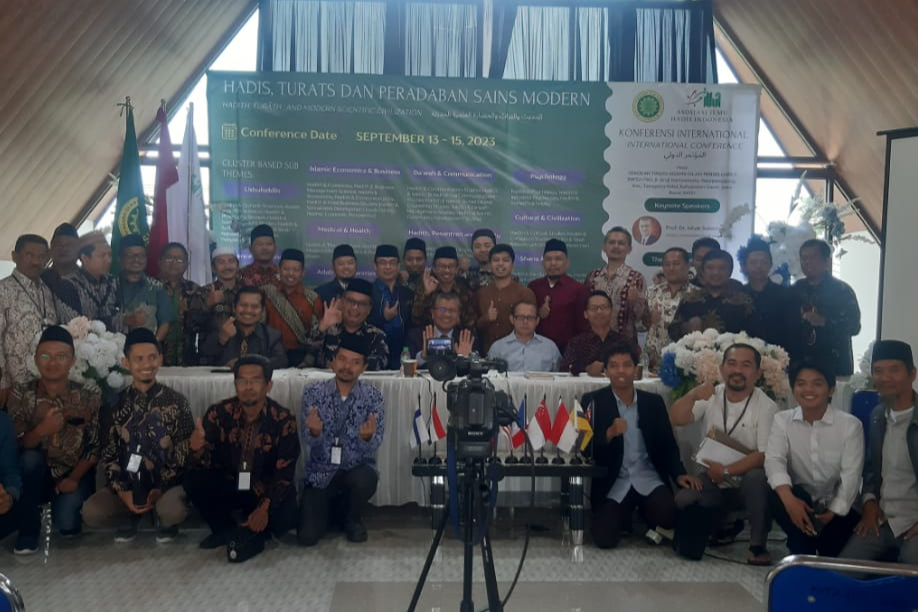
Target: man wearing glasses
(523,349)
(445,325)
(583,352)
(142,300)
(348,316)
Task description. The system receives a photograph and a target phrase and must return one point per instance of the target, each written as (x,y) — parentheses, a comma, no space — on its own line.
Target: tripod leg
(467,604)
(428,562)
(487,562)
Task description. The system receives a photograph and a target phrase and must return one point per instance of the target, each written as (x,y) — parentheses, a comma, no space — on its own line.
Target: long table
(204,387)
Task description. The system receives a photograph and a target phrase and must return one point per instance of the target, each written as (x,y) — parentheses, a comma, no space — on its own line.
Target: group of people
(236,463)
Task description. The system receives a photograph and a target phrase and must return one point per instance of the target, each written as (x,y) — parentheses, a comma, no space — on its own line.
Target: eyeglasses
(445,310)
(174,260)
(526,318)
(355,303)
(59,357)
(249,382)
(599,308)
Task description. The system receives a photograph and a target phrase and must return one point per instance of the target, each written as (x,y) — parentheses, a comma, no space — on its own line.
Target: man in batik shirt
(662,302)
(180,346)
(295,310)
(263,248)
(219,296)
(348,317)
(96,287)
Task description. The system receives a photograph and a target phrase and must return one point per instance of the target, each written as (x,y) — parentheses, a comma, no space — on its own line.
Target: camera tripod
(474,500)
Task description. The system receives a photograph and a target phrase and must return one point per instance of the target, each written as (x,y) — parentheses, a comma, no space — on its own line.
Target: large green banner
(366,160)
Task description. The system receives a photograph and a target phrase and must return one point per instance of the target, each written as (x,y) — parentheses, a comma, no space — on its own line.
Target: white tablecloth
(397,486)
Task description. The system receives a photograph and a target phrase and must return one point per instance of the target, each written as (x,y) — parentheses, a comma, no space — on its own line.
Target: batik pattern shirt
(26,308)
(98,298)
(379,350)
(159,422)
(830,342)
(660,298)
(586,348)
(617,286)
(77,441)
(341,421)
(180,346)
(258,275)
(268,447)
(214,317)
(731,311)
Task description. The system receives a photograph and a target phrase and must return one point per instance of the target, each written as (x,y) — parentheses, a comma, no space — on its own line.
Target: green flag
(131,209)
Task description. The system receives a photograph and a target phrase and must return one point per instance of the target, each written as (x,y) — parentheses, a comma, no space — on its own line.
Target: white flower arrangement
(695,360)
(98,356)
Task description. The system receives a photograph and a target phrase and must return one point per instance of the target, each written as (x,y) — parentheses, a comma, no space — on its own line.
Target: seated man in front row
(348,317)
(814,460)
(634,441)
(584,352)
(145,449)
(445,316)
(888,531)
(344,421)
(246,450)
(741,411)
(244,333)
(523,349)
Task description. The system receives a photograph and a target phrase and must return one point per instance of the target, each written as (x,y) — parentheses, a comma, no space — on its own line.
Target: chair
(814,584)
(10,599)
(862,405)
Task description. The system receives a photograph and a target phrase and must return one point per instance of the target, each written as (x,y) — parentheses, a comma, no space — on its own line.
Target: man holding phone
(444,334)
(57,424)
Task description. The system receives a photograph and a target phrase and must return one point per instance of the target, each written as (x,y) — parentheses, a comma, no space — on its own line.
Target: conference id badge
(133,465)
(336,453)
(245,478)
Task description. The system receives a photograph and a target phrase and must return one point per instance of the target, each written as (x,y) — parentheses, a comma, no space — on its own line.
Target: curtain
(442,40)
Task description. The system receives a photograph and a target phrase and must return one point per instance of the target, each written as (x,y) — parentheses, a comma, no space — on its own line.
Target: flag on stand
(166,175)
(564,429)
(187,222)
(517,434)
(419,433)
(131,206)
(439,432)
(583,424)
(539,426)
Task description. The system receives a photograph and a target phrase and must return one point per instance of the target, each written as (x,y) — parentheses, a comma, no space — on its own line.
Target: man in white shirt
(523,349)
(743,412)
(814,460)
(888,530)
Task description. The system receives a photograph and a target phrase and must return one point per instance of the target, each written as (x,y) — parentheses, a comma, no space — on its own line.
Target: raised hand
(390,312)
(703,392)
(198,439)
(314,422)
(545,308)
(331,316)
(492,312)
(430,282)
(464,346)
(618,428)
(426,335)
(368,428)
(214,297)
(227,330)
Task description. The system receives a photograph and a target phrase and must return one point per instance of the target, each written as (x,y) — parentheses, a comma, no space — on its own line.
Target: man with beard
(245,450)
(294,310)
(219,296)
(65,251)
(888,531)
(739,410)
(662,302)
(344,423)
(415,263)
(263,248)
(145,449)
(559,297)
(245,334)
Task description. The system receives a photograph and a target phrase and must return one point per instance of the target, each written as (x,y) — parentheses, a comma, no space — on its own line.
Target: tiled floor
(96,574)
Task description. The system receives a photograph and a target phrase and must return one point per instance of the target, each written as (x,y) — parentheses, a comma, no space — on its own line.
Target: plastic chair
(862,405)
(813,584)
(10,599)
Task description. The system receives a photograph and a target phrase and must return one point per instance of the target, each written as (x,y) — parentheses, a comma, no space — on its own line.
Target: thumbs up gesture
(214,297)
(314,422)
(492,312)
(545,308)
(198,439)
(227,330)
(368,428)
(390,312)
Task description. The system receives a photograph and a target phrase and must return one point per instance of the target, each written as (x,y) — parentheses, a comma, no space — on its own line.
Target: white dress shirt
(825,457)
(755,427)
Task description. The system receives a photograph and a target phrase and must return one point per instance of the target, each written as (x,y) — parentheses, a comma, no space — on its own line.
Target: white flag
(185,201)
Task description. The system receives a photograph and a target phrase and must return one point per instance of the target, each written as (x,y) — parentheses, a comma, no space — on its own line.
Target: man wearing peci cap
(443,278)
(344,422)
(415,263)
(142,300)
(344,265)
(560,298)
(144,449)
(219,295)
(888,530)
(294,310)
(263,248)
(65,251)
(57,424)
(347,316)
(391,310)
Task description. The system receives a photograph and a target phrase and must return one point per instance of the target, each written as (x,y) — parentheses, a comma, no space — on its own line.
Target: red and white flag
(563,430)
(539,428)
(439,432)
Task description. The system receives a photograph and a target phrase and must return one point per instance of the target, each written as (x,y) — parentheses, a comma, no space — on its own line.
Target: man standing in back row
(559,297)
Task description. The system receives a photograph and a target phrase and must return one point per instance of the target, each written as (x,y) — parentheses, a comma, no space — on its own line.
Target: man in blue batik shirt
(343,427)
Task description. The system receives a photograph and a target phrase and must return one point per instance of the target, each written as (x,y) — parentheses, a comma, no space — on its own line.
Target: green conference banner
(367,160)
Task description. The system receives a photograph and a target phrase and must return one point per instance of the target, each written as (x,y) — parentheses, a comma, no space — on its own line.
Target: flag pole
(188,185)
(511,459)
(558,460)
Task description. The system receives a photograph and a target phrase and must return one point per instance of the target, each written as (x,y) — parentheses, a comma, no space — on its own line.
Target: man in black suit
(634,441)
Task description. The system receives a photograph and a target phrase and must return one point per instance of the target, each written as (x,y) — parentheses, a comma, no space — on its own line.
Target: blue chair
(862,405)
(817,584)
(10,599)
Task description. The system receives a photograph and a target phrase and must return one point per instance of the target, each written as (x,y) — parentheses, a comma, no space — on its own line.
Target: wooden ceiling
(842,69)
(65,67)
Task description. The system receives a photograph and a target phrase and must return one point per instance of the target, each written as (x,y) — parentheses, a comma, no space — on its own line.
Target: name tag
(133,465)
(245,478)
(336,455)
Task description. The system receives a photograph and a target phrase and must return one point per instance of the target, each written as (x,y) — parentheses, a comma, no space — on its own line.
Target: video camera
(476,409)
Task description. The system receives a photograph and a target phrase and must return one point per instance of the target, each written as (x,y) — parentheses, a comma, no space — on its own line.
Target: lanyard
(742,414)
(41,307)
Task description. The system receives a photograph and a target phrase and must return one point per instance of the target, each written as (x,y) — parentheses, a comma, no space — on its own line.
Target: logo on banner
(708,99)
(228,131)
(648,106)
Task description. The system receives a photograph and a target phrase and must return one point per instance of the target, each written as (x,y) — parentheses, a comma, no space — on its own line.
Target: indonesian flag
(517,435)
(438,431)
(566,431)
(539,427)
(582,423)
(419,433)
(166,176)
